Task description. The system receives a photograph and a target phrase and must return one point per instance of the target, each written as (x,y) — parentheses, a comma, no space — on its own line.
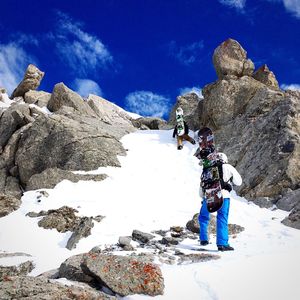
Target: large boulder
(31,81)
(267,77)
(39,98)
(63,96)
(189,104)
(57,141)
(125,275)
(230,59)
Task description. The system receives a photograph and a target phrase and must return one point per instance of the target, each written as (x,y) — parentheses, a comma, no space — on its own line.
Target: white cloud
(293,6)
(194,89)
(82,51)
(239,4)
(13,63)
(294,87)
(147,104)
(187,54)
(84,87)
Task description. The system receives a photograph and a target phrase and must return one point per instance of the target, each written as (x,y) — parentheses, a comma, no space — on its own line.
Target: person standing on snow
(181,130)
(230,176)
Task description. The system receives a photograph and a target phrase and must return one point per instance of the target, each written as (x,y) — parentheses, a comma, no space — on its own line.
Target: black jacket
(186,129)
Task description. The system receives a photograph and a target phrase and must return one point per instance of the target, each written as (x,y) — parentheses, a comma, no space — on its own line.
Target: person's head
(223,157)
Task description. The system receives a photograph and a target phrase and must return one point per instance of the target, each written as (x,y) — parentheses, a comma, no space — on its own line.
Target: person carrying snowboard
(181,130)
(229,175)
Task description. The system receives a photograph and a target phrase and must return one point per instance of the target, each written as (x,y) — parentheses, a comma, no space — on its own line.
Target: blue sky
(142,54)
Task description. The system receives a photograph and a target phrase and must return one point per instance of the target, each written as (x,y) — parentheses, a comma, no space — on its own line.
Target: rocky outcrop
(39,98)
(63,96)
(258,128)
(8,204)
(293,220)
(125,275)
(111,113)
(57,141)
(267,77)
(49,178)
(190,105)
(37,288)
(230,59)
(31,81)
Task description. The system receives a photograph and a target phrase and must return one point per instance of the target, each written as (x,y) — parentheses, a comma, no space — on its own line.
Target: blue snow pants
(222,222)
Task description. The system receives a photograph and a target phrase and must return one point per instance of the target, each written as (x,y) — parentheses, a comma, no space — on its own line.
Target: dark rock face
(230,59)
(142,237)
(289,200)
(31,81)
(125,275)
(189,104)
(151,123)
(40,288)
(293,220)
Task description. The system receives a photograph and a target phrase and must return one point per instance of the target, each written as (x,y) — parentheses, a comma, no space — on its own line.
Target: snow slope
(157,187)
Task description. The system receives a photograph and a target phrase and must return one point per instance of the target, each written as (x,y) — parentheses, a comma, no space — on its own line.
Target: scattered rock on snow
(16,270)
(142,237)
(8,204)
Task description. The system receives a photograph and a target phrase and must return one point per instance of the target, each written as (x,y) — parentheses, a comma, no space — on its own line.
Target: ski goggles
(207,138)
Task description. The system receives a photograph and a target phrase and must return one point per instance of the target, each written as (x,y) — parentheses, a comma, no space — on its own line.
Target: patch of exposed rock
(152,123)
(31,81)
(40,288)
(125,275)
(8,204)
(293,220)
(49,178)
(230,59)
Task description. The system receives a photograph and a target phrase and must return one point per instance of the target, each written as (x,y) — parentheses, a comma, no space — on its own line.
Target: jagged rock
(264,202)
(63,96)
(56,141)
(18,270)
(168,240)
(289,200)
(40,288)
(267,77)
(111,113)
(11,120)
(82,230)
(62,219)
(125,275)
(230,59)
(49,178)
(142,237)
(9,185)
(266,147)
(189,104)
(8,204)
(52,274)
(193,225)
(40,98)
(31,81)
(71,269)
(293,220)
(152,123)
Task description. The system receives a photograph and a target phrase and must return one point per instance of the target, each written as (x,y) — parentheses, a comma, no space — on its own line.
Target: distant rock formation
(189,103)
(230,59)
(31,81)
(267,77)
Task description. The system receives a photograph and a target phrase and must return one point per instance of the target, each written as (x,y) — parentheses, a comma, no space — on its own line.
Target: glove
(227,186)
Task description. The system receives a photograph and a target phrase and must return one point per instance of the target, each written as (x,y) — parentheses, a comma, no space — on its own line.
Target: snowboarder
(229,176)
(181,130)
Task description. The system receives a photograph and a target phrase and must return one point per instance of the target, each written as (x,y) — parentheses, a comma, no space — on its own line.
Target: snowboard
(210,178)
(180,124)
